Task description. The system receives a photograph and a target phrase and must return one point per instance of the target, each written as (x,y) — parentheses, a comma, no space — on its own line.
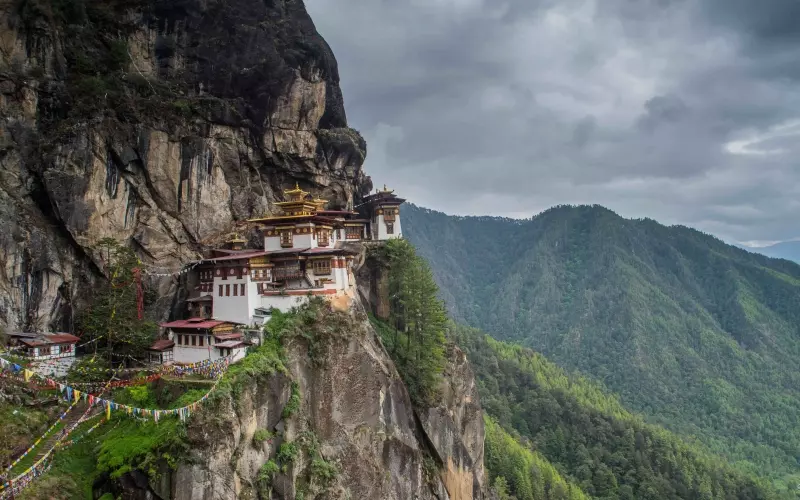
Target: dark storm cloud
(680,110)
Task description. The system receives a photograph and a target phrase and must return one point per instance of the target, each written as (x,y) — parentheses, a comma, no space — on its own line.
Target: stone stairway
(47,444)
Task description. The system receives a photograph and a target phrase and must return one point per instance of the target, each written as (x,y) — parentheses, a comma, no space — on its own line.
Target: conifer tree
(419,320)
(113,315)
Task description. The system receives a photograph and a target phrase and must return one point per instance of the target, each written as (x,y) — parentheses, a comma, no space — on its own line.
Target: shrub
(268,471)
(287,453)
(260,436)
(293,405)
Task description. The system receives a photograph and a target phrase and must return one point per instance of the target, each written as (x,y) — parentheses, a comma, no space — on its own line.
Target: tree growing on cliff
(418,321)
(113,318)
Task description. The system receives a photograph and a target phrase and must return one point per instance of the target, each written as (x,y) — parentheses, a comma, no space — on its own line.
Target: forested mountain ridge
(789,250)
(697,335)
(583,432)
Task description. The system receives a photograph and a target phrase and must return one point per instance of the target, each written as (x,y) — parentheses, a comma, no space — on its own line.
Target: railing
(279,274)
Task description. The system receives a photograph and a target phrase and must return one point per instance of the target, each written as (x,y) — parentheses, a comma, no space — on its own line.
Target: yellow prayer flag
(27,374)
(108,410)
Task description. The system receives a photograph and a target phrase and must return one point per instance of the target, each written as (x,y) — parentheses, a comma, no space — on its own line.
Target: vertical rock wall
(158,123)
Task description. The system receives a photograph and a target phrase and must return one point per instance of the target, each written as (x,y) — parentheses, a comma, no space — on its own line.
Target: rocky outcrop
(373,280)
(454,427)
(161,124)
(354,413)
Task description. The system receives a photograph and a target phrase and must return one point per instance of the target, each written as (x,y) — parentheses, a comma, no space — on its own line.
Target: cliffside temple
(307,251)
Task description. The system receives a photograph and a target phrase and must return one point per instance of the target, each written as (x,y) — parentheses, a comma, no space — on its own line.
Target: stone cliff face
(354,413)
(160,123)
(453,428)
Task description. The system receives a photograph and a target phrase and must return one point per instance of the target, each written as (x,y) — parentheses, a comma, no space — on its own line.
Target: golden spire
(235,238)
(296,189)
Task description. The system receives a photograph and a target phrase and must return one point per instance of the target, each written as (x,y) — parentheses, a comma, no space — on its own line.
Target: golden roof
(296,190)
(385,190)
(235,238)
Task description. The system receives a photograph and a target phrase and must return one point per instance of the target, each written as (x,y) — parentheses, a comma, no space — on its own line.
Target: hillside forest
(696,336)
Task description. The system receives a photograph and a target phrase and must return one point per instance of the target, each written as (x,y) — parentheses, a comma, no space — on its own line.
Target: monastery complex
(307,251)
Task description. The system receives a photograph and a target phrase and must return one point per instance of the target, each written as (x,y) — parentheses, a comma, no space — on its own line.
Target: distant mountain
(789,250)
(582,431)
(698,335)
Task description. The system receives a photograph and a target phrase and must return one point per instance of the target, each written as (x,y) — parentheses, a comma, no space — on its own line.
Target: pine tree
(418,318)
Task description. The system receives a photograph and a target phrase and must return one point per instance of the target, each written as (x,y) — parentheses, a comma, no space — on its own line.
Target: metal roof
(161,345)
(230,343)
(201,323)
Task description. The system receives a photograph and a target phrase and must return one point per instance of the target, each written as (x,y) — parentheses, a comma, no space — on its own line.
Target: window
(227,290)
(44,351)
(241,289)
(200,342)
(338,234)
(194,340)
(235,290)
(352,232)
(220,290)
(286,238)
(178,340)
(321,266)
(390,228)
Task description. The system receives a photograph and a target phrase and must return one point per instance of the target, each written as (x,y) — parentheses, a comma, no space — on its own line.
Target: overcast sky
(686,111)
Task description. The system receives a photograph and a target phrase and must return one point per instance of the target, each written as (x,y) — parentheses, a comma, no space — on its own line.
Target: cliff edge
(331,420)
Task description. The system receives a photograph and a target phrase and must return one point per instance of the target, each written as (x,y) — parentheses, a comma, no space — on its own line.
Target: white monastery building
(305,253)
(53,354)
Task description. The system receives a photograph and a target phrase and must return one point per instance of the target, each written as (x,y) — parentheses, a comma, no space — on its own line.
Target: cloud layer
(684,111)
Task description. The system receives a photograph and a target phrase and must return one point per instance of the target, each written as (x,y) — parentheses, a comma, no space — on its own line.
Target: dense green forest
(414,333)
(520,473)
(697,335)
(585,433)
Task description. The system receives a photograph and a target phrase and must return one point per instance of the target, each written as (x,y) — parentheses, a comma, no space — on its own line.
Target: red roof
(162,345)
(237,256)
(34,343)
(62,338)
(228,336)
(50,339)
(287,251)
(193,323)
(230,343)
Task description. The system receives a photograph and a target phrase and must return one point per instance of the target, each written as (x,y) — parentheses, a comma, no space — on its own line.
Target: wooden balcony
(286,273)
